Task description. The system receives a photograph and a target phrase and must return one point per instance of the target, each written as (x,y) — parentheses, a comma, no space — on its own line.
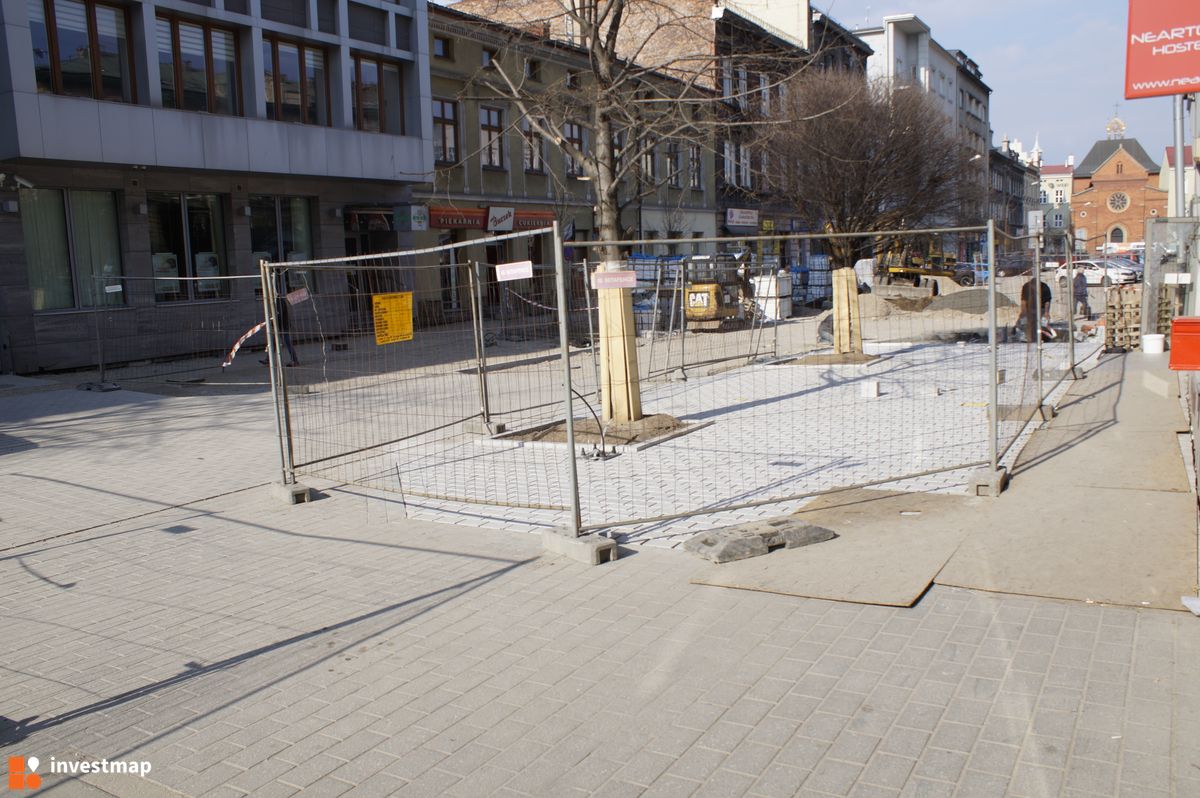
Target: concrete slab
(889,547)
(1112,453)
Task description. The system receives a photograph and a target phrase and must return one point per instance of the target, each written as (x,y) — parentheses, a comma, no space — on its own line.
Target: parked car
(1099,272)
(1010,265)
(969,274)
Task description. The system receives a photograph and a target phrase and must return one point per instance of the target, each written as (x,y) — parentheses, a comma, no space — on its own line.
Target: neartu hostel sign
(1162,55)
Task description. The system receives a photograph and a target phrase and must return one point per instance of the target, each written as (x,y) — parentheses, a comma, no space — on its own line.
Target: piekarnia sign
(1162,54)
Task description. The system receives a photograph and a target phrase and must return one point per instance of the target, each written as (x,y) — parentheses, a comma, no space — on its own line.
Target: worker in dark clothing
(1029,303)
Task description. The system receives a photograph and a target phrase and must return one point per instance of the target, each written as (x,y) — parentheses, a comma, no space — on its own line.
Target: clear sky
(1055,69)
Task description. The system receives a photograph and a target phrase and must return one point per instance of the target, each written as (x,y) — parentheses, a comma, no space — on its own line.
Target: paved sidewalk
(243,647)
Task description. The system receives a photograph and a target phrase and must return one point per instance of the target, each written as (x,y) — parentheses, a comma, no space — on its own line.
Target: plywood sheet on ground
(889,548)
(1099,507)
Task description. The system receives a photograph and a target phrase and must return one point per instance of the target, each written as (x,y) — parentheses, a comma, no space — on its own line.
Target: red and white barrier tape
(233,352)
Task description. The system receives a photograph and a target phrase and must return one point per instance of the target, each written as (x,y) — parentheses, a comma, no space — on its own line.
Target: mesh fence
(178,332)
(439,380)
(406,368)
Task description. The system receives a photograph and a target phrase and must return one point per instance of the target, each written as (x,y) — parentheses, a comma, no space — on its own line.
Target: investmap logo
(21,773)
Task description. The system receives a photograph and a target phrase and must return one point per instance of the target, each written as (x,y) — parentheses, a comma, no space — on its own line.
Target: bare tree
(651,79)
(860,156)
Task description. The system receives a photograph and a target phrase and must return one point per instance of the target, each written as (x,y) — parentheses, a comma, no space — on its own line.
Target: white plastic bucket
(1153,344)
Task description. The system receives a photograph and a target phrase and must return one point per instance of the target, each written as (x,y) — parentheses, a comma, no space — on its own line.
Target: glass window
(366,94)
(206,236)
(289,83)
(282,225)
(224,70)
(673,164)
(296,82)
(442,47)
(491,136)
(486,57)
(269,79)
(445,131)
(573,133)
(43,69)
(316,88)
(95,245)
(194,67)
(533,148)
(70,261)
(112,48)
(74,52)
(695,166)
(198,67)
(392,112)
(44,225)
(187,245)
(378,95)
(166,62)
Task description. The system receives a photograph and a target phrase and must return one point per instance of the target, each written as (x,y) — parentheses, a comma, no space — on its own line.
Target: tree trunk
(620,390)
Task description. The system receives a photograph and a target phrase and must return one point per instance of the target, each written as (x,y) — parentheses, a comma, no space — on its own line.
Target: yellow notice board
(393,317)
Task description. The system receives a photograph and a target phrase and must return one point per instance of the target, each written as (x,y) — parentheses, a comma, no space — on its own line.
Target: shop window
(82,49)
(187,246)
(281,230)
(72,248)
(198,67)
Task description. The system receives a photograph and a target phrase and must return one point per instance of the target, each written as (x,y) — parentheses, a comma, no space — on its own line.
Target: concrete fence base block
(292,494)
(986,482)
(587,549)
(477,426)
(756,538)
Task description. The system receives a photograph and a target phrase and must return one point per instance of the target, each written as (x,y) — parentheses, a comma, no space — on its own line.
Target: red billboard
(1162,54)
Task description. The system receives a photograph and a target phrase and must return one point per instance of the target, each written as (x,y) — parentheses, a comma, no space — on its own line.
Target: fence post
(1037,315)
(564,343)
(287,473)
(1072,373)
(477,334)
(991,481)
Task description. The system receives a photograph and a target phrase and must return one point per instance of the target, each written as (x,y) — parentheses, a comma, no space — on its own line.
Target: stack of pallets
(1123,317)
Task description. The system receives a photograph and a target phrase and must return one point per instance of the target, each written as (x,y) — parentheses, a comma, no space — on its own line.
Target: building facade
(1114,191)
(490,159)
(153,150)
(1054,195)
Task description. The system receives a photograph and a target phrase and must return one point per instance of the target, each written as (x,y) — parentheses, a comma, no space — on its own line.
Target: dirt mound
(974,301)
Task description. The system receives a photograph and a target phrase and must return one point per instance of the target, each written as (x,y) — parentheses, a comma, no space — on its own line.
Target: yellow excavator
(718,291)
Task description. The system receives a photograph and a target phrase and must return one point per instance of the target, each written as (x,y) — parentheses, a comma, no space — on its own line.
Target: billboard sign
(1162,55)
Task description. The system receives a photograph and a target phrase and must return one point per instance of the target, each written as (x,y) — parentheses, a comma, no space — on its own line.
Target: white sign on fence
(518,270)
(622,279)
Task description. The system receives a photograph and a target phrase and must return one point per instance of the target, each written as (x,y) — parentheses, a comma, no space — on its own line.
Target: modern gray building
(162,146)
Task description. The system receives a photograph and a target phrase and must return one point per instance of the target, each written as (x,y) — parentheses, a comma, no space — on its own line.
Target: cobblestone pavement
(243,647)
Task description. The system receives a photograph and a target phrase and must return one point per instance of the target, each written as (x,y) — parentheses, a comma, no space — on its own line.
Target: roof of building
(1049,170)
(1188,156)
(1104,149)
